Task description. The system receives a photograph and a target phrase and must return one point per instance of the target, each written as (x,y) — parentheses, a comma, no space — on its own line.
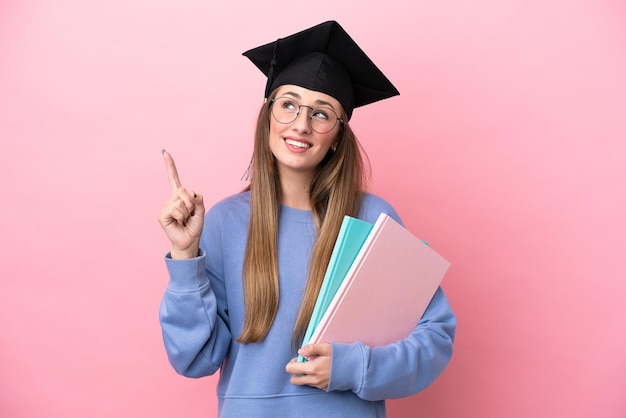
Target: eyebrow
(318,101)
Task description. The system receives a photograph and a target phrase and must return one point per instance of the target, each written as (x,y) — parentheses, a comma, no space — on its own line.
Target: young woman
(244,277)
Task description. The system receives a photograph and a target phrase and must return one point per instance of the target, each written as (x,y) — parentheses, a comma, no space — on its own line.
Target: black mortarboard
(323,58)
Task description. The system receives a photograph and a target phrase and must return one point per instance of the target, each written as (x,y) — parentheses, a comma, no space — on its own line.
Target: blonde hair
(336,190)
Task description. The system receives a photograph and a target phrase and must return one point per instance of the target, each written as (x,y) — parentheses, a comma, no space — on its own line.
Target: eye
(321,114)
(289,105)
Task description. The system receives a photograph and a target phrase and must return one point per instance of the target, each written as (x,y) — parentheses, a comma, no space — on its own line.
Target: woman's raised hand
(182,216)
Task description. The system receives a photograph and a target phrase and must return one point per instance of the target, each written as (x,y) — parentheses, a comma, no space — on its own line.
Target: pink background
(506,151)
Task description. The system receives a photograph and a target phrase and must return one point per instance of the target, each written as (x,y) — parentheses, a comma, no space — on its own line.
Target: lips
(298,144)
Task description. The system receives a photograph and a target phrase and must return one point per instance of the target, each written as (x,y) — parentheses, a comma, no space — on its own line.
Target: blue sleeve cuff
(187,275)
(347,367)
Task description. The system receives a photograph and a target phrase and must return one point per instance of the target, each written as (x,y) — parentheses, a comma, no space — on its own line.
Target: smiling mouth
(297,144)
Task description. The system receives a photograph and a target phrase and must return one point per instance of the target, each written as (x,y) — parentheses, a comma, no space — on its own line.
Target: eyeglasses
(285,110)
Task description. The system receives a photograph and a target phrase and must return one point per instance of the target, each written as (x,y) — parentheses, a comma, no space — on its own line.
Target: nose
(302,123)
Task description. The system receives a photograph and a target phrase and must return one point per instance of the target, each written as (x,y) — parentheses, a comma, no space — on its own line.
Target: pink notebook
(386,290)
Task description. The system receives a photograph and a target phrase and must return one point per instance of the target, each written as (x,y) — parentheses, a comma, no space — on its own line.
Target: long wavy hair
(336,190)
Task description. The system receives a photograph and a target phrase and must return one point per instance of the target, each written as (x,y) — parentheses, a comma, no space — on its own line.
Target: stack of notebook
(379,281)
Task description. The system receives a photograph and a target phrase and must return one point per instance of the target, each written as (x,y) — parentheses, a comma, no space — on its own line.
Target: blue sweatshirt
(202,314)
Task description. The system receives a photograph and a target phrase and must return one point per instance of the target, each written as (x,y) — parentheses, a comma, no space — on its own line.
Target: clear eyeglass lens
(286,110)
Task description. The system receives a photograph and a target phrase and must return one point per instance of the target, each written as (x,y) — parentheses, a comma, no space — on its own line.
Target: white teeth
(297,143)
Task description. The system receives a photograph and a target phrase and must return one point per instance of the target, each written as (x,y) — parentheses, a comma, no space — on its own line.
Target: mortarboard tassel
(270,73)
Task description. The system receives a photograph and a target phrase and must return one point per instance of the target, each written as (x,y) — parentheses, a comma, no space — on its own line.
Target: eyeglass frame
(310,117)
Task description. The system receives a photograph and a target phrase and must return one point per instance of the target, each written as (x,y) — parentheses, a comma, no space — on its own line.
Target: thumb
(315,350)
(198,200)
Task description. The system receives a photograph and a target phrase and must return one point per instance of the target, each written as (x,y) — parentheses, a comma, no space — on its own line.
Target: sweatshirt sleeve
(402,368)
(193,312)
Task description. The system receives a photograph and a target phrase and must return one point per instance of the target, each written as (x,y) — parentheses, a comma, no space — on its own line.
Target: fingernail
(163,151)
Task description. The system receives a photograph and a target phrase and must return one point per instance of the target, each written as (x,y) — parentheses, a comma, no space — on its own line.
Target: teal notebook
(350,239)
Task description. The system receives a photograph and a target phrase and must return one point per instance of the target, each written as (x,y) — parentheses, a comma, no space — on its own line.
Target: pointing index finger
(172,173)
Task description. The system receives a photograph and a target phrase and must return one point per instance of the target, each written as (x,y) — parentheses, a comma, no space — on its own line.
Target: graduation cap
(323,58)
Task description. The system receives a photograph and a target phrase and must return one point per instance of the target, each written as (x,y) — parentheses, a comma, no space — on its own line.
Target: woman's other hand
(316,370)
(182,216)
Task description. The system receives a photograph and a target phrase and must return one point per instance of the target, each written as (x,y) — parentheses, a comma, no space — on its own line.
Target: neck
(295,188)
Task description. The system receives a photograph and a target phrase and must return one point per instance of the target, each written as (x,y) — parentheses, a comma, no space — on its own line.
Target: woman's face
(295,145)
